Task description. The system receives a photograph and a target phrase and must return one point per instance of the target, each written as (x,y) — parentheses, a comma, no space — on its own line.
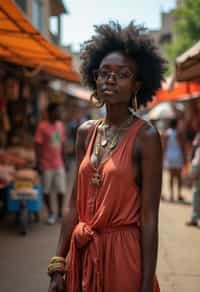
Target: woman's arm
(37,157)
(150,165)
(182,144)
(70,218)
(164,139)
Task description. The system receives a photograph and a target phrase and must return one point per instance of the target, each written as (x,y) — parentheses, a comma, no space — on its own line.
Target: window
(54,25)
(37,14)
(21,4)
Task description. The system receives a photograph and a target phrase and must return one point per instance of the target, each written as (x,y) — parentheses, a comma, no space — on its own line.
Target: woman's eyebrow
(120,66)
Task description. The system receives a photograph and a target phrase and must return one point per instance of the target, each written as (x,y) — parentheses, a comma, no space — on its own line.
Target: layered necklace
(106,142)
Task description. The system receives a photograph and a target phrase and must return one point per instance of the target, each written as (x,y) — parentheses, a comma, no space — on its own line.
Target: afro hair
(134,42)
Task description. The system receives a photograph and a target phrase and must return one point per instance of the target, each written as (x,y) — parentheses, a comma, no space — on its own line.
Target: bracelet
(57,259)
(57,264)
(52,268)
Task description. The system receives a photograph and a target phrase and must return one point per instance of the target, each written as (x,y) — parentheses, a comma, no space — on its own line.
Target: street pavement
(179,247)
(24,259)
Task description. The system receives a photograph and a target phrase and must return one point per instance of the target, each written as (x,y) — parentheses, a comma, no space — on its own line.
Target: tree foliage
(186,29)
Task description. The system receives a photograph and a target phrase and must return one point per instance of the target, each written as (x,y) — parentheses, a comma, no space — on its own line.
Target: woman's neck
(116,114)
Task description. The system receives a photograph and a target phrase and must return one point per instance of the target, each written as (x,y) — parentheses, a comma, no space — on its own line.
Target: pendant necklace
(103,141)
(111,142)
(96,177)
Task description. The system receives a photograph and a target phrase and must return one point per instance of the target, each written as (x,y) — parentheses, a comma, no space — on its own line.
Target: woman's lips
(109,92)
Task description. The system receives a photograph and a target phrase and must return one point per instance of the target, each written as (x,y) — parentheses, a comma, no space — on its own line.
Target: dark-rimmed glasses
(104,74)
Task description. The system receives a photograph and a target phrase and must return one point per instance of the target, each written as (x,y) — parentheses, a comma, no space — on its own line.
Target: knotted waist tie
(81,237)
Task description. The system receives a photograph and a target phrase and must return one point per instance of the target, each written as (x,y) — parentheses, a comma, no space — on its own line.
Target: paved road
(24,259)
(179,252)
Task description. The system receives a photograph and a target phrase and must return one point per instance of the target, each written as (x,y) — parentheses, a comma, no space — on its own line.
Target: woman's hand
(57,283)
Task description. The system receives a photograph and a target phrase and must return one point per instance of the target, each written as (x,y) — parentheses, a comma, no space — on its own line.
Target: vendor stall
(28,63)
(188,65)
(22,44)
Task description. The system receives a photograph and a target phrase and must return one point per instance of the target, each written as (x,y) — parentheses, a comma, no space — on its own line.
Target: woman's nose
(112,77)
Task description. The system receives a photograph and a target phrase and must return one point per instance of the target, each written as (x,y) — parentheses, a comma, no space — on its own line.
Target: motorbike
(25,200)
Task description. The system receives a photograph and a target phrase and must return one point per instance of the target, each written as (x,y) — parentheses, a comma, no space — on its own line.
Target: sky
(84,14)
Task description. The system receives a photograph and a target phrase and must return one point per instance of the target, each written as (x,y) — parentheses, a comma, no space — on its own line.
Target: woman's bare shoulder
(86,126)
(84,133)
(148,133)
(148,145)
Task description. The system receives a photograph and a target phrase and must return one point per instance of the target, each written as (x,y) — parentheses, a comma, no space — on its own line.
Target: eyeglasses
(104,74)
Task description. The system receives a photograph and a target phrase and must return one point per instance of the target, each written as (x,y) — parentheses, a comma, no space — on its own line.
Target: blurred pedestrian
(76,120)
(49,145)
(173,145)
(195,176)
(110,230)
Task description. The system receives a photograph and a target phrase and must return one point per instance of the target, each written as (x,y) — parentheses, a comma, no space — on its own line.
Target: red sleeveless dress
(105,252)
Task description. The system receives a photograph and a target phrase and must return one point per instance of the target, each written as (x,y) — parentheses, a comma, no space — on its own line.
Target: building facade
(46,16)
(166,34)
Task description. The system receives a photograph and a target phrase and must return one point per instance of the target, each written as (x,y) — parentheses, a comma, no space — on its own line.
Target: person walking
(49,145)
(174,158)
(195,176)
(109,234)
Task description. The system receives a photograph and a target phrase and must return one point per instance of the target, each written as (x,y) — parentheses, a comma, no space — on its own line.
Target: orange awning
(22,44)
(180,91)
(72,89)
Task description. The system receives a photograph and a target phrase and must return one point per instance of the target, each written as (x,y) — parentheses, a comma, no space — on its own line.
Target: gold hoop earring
(96,101)
(135,103)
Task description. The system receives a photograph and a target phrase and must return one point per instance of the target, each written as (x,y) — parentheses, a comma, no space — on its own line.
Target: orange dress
(105,252)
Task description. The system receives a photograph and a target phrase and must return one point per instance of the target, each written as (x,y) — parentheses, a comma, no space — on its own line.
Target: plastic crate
(32,205)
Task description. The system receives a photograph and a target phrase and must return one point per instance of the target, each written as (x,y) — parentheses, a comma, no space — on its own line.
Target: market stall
(179,91)
(28,63)
(22,44)
(187,67)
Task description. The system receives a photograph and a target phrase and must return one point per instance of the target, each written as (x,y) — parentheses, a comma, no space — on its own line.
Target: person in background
(173,146)
(109,234)
(50,155)
(195,176)
(76,120)
(72,125)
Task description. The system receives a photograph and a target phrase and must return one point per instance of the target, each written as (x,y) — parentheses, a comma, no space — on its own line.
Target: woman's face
(116,79)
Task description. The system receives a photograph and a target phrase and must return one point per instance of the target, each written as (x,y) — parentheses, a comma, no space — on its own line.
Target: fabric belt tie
(82,235)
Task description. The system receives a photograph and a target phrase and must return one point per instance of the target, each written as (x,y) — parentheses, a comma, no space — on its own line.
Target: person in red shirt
(49,144)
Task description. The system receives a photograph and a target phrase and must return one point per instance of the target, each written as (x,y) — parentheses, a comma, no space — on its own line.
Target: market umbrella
(164,110)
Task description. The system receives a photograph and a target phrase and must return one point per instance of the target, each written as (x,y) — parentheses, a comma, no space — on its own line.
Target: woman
(110,230)
(174,157)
